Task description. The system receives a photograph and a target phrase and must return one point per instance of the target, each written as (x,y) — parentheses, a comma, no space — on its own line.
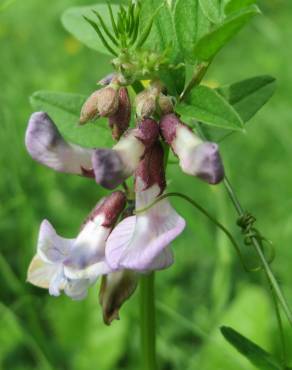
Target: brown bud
(89,109)
(103,103)
(120,121)
(108,101)
(115,289)
(165,104)
(145,104)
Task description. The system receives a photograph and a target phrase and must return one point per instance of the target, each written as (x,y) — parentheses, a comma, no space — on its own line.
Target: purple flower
(141,242)
(112,166)
(73,264)
(196,157)
(46,145)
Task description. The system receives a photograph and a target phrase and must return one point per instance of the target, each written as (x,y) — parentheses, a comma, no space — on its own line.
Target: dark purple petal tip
(210,166)
(108,168)
(41,134)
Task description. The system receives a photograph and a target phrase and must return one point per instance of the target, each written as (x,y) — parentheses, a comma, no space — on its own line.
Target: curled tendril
(246,223)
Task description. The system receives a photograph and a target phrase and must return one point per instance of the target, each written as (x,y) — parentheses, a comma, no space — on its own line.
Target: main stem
(147,322)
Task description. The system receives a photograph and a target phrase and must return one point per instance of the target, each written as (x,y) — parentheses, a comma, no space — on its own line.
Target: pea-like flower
(196,157)
(46,145)
(113,166)
(141,242)
(73,264)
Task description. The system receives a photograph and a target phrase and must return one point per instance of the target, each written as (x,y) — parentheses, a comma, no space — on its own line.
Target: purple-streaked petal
(135,243)
(40,273)
(46,145)
(119,240)
(51,247)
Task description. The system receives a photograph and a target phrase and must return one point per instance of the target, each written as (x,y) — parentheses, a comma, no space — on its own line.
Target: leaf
(254,353)
(236,5)
(189,16)
(64,109)
(209,107)
(248,96)
(211,9)
(209,45)
(73,21)
(163,39)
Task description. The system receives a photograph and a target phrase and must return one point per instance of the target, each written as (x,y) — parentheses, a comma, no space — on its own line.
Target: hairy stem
(147,322)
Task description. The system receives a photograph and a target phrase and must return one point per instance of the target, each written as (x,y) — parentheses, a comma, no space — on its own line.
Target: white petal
(77,289)
(58,282)
(40,273)
(51,247)
(90,273)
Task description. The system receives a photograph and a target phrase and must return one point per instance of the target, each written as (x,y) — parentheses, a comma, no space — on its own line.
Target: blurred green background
(206,287)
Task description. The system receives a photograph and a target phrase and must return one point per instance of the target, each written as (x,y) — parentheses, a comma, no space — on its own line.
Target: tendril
(246,223)
(211,218)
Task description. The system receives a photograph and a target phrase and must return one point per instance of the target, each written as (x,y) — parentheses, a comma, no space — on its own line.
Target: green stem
(270,276)
(147,322)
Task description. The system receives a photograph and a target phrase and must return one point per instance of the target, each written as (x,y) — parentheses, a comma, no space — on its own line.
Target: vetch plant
(152,107)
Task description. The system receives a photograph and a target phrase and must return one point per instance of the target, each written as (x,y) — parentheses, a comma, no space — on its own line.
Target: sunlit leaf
(248,96)
(163,39)
(209,45)
(212,9)
(73,21)
(236,5)
(188,15)
(64,109)
(207,106)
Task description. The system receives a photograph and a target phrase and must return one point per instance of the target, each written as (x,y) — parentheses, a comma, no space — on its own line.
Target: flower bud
(145,104)
(115,289)
(120,121)
(165,104)
(196,157)
(101,103)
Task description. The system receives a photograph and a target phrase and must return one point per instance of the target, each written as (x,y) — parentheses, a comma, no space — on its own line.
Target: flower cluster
(115,242)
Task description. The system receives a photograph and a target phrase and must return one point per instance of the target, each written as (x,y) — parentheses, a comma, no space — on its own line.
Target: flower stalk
(147,322)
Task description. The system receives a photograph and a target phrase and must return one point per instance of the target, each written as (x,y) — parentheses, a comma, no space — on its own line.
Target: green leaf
(211,9)
(209,45)
(209,107)
(189,16)
(163,39)
(248,96)
(73,21)
(236,5)
(64,109)
(255,354)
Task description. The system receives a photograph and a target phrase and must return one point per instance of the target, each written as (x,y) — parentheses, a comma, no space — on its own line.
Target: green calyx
(125,38)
